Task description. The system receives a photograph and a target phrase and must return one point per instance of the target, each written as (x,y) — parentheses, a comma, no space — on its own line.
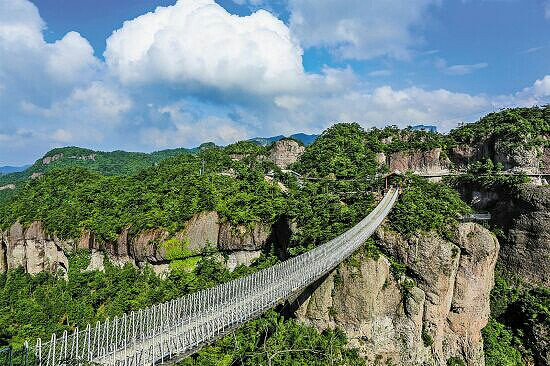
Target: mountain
(108,163)
(266,141)
(12,169)
(302,137)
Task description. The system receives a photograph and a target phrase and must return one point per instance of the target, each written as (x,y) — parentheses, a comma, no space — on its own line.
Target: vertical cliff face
(35,250)
(389,319)
(525,219)
(32,249)
(424,162)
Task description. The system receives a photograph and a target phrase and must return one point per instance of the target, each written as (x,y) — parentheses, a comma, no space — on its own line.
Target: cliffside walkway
(169,331)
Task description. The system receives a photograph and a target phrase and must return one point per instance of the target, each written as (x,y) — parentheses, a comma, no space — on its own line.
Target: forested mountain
(140,209)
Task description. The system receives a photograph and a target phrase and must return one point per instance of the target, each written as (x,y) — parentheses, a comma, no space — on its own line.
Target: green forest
(165,189)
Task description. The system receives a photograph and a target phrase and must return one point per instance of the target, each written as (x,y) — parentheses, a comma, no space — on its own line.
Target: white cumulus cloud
(199,43)
(33,68)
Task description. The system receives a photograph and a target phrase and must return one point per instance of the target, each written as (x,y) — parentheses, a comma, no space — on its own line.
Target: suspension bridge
(167,332)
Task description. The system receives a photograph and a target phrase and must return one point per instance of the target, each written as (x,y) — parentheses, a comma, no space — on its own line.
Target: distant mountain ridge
(111,163)
(8,169)
(302,137)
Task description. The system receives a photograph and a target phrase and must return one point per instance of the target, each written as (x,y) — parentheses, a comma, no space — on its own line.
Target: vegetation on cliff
(275,340)
(486,175)
(513,127)
(164,196)
(336,192)
(425,206)
(517,333)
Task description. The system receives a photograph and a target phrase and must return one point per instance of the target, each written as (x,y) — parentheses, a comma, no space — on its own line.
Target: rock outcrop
(517,158)
(36,251)
(525,218)
(285,152)
(235,259)
(243,238)
(50,159)
(201,231)
(391,320)
(418,161)
(32,249)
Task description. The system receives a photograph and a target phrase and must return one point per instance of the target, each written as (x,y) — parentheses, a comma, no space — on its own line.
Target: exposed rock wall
(285,152)
(419,161)
(32,249)
(524,217)
(50,159)
(527,159)
(526,222)
(449,303)
(36,251)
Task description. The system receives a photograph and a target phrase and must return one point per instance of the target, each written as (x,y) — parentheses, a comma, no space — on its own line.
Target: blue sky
(73,73)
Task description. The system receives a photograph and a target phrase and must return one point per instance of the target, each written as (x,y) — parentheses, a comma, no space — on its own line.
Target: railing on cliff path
(174,329)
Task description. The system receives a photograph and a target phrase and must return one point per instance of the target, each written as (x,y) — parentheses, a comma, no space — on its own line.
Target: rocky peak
(285,152)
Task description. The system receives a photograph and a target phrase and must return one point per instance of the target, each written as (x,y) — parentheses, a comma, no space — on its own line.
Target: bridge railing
(182,325)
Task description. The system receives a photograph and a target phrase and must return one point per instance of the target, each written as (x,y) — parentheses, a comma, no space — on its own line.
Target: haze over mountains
(12,169)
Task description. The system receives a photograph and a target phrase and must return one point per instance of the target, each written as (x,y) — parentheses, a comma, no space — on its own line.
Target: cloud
(198,44)
(191,72)
(188,126)
(31,67)
(532,49)
(538,93)
(546,6)
(359,29)
(441,64)
(377,73)
(385,105)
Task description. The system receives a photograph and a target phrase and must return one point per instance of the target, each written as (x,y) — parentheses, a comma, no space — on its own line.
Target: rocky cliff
(285,152)
(524,219)
(533,159)
(419,161)
(31,248)
(432,314)
(36,251)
